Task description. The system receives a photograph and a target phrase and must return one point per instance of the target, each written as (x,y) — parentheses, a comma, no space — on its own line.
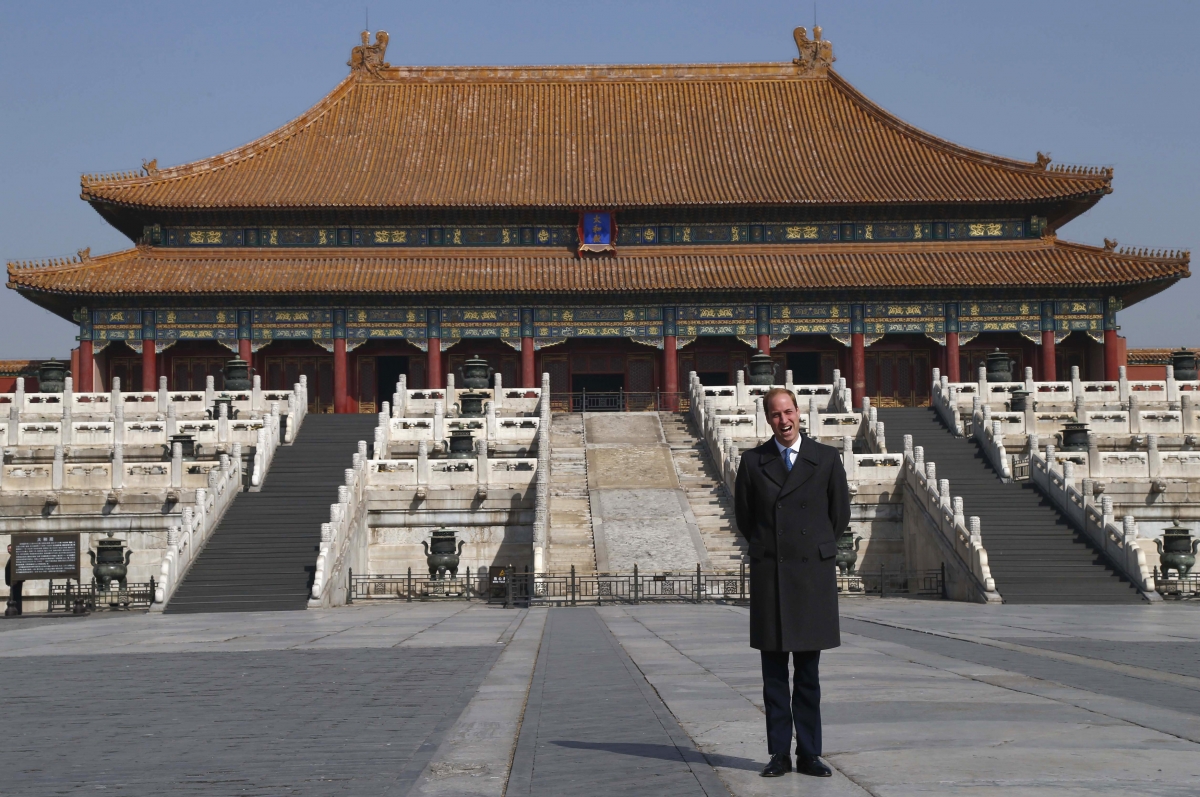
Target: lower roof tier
(160,272)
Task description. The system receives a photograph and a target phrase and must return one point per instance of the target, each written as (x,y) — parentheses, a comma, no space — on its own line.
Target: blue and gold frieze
(809,319)
(116,324)
(1079,316)
(627,235)
(406,323)
(727,319)
(195,324)
(292,324)
(1015,316)
(899,317)
(598,322)
(495,322)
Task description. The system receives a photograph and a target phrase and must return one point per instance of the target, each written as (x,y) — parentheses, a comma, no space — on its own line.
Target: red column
(341,398)
(244,351)
(670,373)
(149,363)
(75,367)
(433,369)
(764,343)
(858,368)
(87,365)
(952,366)
(528,372)
(1112,355)
(1049,359)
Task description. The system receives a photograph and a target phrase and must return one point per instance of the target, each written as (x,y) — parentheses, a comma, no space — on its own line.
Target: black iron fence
(619,401)
(1180,588)
(511,587)
(73,597)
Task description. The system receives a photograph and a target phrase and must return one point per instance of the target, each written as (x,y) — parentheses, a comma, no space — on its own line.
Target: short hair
(779,391)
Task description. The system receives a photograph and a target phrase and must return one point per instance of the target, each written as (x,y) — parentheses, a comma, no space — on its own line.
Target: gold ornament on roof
(815,54)
(368,57)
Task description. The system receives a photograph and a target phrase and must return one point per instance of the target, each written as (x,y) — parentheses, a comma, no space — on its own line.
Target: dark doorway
(388,371)
(714,378)
(597,383)
(805,367)
(598,393)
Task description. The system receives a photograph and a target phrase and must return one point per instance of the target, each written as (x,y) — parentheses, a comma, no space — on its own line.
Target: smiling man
(792,502)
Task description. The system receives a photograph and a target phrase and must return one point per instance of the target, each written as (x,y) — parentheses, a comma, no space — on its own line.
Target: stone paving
(923,697)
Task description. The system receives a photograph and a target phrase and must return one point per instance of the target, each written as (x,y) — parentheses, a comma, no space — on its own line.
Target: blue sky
(95,87)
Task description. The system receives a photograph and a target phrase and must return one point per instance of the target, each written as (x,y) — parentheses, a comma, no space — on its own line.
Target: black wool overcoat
(792,520)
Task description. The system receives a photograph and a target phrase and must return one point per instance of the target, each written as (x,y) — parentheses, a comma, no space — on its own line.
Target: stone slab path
(922,698)
(640,514)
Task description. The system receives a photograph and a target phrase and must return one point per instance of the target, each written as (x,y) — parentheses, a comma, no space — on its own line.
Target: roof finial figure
(815,55)
(1043,160)
(150,167)
(369,57)
(1110,244)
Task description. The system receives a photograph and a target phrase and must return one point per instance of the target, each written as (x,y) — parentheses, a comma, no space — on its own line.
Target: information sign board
(37,556)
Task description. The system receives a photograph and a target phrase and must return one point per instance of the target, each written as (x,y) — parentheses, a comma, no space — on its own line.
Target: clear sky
(95,87)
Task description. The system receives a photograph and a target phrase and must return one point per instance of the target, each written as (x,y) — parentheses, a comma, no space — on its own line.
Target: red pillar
(858,368)
(341,398)
(149,367)
(75,367)
(87,365)
(528,372)
(1049,358)
(244,351)
(952,365)
(1112,355)
(433,369)
(764,343)
(670,373)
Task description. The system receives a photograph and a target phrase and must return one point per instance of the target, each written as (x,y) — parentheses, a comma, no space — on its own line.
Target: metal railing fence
(512,587)
(65,596)
(619,401)
(1180,588)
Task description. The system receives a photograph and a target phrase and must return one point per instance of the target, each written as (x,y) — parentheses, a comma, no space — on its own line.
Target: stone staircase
(1034,553)
(262,555)
(570,533)
(710,502)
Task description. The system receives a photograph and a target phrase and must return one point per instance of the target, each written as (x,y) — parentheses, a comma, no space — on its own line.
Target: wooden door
(898,378)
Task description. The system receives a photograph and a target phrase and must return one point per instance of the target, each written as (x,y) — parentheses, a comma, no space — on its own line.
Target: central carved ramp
(261,557)
(639,513)
(1034,554)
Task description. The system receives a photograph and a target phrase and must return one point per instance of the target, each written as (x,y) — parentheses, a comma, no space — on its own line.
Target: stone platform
(923,697)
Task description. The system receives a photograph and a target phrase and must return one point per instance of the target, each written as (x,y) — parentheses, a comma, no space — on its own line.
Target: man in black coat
(792,502)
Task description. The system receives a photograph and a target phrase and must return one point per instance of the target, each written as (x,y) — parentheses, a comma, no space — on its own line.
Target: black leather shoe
(811,765)
(780,764)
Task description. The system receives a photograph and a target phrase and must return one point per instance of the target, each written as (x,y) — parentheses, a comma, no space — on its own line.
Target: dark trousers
(799,706)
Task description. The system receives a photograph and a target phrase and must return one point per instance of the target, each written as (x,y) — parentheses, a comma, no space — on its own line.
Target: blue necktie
(787,458)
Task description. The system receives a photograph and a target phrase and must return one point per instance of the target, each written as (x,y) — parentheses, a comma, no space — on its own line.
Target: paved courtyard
(923,697)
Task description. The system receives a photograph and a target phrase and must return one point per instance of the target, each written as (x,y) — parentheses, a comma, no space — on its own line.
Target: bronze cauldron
(52,376)
(761,370)
(1177,551)
(110,562)
(476,373)
(440,554)
(847,552)
(237,375)
(999,367)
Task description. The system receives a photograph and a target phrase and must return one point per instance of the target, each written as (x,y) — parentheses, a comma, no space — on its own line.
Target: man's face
(784,419)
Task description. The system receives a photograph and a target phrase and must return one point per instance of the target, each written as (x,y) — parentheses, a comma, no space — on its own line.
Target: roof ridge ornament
(1043,160)
(368,57)
(1110,244)
(816,55)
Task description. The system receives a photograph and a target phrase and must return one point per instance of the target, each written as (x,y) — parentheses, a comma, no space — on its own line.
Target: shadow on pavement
(666,752)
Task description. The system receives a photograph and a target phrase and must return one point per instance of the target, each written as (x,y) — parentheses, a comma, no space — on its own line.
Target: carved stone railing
(957,534)
(1119,543)
(186,539)
(343,536)
(990,437)
(541,505)
(714,405)
(1156,394)
(142,405)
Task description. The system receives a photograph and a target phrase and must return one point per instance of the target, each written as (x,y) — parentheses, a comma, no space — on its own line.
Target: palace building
(614,226)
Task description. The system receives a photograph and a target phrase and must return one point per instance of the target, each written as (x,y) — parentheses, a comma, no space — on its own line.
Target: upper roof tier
(606,137)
